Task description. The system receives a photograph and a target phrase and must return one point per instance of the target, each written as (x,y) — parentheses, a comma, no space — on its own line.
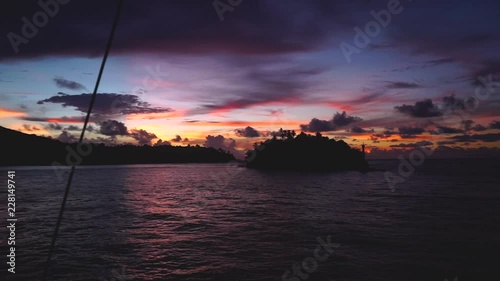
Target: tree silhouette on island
(288,151)
(19,149)
(285,150)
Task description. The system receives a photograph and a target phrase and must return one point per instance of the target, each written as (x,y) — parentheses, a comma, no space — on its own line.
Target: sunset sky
(178,73)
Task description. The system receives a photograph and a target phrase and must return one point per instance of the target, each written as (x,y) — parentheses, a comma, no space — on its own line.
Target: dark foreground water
(220,222)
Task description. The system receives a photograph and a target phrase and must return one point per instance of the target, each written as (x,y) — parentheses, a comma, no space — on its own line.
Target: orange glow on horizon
(64,120)
(7,113)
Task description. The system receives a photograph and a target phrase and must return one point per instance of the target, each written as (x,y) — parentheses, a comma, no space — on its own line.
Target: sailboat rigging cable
(80,141)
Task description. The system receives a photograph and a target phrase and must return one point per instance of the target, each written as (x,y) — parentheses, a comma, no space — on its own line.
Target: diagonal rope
(72,171)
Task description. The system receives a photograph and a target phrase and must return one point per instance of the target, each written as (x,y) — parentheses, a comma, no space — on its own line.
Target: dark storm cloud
(54,127)
(30,128)
(466,106)
(161,142)
(410,132)
(220,142)
(477,137)
(258,27)
(452,102)
(176,139)
(421,109)
(338,120)
(179,26)
(73,128)
(143,137)
(446,130)
(385,134)
(468,125)
(359,130)
(112,128)
(66,137)
(101,140)
(402,85)
(342,119)
(248,132)
(412,145)
(316,125)
(64,119)
(479,128)
(449,130)
(76,128)
(68,84)
(446,142)
(105,104)
(495,125)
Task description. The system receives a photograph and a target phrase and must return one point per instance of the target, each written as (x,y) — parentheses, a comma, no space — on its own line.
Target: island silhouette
(284,151)
(20,149)
(288,151)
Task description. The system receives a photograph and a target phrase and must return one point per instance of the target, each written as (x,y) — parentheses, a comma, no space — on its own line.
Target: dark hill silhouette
(305,152)
(19,149)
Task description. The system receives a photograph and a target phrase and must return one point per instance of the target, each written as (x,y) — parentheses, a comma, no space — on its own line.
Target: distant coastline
(19,149)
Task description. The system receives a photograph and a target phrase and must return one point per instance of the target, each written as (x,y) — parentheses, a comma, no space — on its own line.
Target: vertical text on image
(11,220)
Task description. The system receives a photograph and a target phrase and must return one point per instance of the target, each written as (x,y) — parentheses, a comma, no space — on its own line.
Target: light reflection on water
(175,222)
